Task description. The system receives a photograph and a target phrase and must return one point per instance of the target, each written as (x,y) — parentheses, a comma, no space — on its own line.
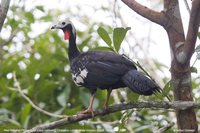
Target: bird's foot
(105,107)
(87,111)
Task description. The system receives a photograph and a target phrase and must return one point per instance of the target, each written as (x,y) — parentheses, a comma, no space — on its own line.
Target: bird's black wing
(104,69)
(111,57)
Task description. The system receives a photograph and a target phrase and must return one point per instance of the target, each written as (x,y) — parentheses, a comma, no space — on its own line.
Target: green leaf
(193,70)
(30,17)
(166,89)
(104,35)
(118,36)
(132,96)
(198,34)
(25,115)
(41,8)
(64,96)
(104,49)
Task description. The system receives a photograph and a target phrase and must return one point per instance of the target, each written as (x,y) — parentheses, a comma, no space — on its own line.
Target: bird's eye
(63,23)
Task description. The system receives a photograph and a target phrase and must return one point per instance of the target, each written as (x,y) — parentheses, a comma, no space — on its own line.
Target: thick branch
(194,23)
(3,11)
(157,17)
(115,108)
(180,69)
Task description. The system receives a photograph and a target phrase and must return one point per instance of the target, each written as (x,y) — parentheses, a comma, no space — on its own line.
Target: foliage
(41,65)
(118,36)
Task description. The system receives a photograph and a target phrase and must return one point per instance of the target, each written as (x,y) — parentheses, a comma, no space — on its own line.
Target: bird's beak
(54,27)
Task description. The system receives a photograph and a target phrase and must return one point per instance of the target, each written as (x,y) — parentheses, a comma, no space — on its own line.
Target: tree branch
(193,27)
(157,17)
(115,108)
(3,11)
(18,89)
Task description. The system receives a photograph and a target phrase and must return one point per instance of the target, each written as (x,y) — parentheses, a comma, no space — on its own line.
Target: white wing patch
(80,76)
(84,73)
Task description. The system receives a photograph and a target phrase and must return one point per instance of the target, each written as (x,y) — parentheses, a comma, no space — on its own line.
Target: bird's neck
(73,51)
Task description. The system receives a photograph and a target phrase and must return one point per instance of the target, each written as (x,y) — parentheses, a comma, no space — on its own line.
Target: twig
(115,108)
(30,102)
(100,122)
(187,6)
(165,128)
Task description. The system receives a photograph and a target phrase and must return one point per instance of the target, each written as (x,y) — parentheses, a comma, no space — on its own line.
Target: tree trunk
(3,11)
(181,51)
(4,5)
(180,67)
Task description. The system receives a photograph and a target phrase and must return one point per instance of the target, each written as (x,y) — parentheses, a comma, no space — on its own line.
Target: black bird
(102,69)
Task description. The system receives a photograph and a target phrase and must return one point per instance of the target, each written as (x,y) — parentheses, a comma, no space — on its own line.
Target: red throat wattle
(67,35)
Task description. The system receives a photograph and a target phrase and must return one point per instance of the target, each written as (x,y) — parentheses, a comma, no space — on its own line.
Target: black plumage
(103,70)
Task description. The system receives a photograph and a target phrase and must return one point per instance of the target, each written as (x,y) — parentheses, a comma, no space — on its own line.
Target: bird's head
(67,27)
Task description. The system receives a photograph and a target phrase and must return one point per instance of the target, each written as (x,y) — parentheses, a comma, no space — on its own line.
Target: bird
(105,70)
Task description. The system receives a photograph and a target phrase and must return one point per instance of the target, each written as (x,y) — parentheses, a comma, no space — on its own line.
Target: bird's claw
(87,111)
(105,107)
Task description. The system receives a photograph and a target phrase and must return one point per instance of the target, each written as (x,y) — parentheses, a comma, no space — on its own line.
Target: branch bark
(4,5)
(154,16)
(119,107)
(3,11)
(193,27)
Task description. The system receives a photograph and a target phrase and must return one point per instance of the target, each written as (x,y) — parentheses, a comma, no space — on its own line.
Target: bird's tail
(139,83)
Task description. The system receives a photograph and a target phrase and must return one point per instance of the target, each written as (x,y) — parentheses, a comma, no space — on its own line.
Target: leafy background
(40,63)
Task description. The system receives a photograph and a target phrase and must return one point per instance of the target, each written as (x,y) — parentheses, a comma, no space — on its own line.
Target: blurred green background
(39,60)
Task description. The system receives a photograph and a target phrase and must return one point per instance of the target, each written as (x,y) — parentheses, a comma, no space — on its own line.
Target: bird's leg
(107,99)
(90,107)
